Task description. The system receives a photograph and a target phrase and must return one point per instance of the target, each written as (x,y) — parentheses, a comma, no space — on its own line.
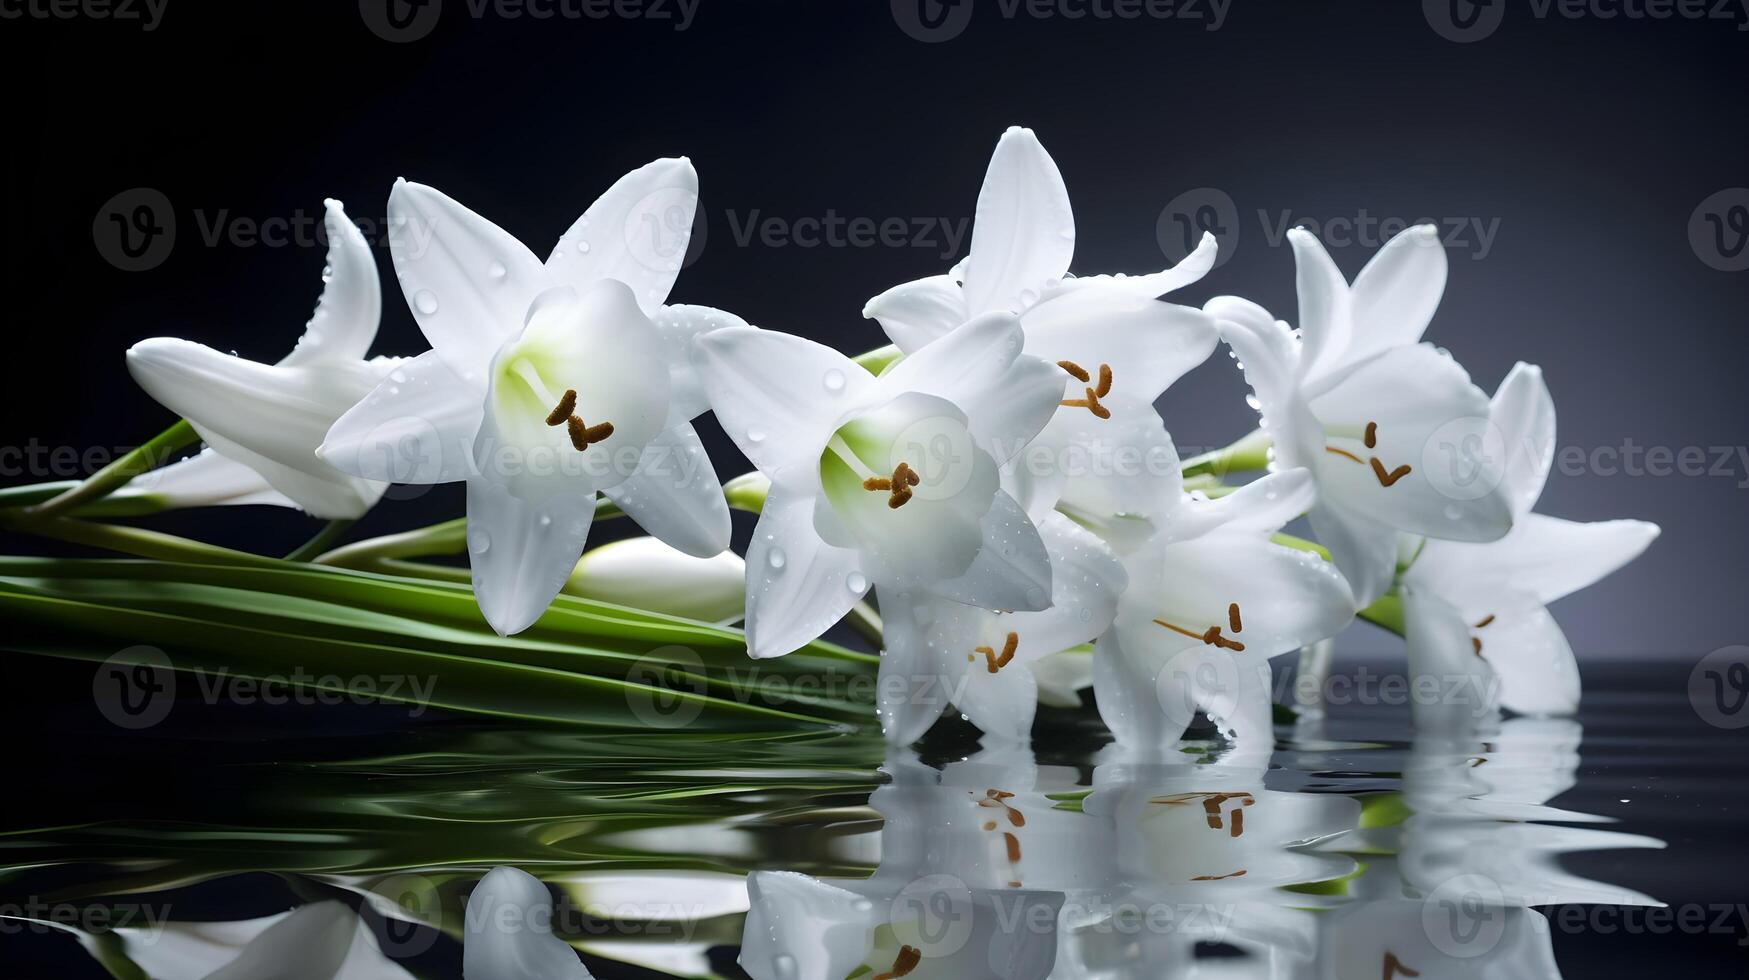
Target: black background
(1586,143)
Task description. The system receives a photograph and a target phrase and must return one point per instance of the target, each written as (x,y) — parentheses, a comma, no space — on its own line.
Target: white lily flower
(644,573)
(1118,346)
(509,932)
(1210,600)
(546,384)
(269,418)
(1491,598)
(319,941)
(982,660)
(1357,401)
(891,480)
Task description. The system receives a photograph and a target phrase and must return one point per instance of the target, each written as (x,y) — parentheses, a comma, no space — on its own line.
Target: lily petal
(1270,358)
(1326,315)
(1024,235)
(1443,662)
(1364,550)
(799,926)
(636,233)
(1008,396)
(797,584)
(1148,344)
(1526,648)
(508,932)
(1524,414)
(680,327)
(1263,506)
(1195,266)
(468,282)
(915,313)
(923,665)
(522,552)
(418,426)
(676,496)
(774,394)
(1395,296)
(1545,557)
(205,479)
(346,317)
(1011,570)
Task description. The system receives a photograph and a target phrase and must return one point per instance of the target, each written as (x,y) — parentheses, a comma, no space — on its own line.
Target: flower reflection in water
(1202,864)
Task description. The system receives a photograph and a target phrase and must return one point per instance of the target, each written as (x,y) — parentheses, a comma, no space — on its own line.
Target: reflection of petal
(508,932)
(320,941)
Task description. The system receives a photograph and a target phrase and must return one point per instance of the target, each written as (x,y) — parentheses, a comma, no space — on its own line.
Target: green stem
(1248,454)
(748,492)
(325,539)
(113,477)
(879,359)
(445,538)
(130,541)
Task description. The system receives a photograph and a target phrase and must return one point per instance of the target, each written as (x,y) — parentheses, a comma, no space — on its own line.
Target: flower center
(564,413)
(1385,477)
(1212,636)
(1094,391)
(997,661)
(899,484)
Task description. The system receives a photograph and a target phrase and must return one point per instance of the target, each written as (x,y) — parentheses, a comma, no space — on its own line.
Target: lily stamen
(1476,641)
(1094,392)
(1385,477)
(583,436)
(999,661)
(899,484)
(904,963)
(567,405)
(1212,636)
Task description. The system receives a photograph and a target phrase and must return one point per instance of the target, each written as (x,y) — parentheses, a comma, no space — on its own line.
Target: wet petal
(636,233)
(1024,235)
(522,551)
(1326,314)
(1524,415)
(1395,296)
(418,426)
(680,327)
(346,317)
(676,496)
(799,926)
(916,313)
(1148,344)
(797,584)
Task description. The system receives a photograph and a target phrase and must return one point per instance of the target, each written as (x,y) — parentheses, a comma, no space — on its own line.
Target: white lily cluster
(1003,485)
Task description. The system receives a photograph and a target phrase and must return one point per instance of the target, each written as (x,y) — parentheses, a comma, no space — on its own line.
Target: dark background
(1584,144)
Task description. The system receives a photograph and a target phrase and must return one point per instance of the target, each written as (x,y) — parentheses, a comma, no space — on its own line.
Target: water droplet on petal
(856,583)
(834,380)
(425,301)
(479,541)
(756,434)
(497,271)
(582,246)
(776,558)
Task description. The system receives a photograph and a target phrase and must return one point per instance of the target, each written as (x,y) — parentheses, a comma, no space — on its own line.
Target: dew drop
(582,247)
(834,380)
(497,271)
(755,435)
(776,558)
(425,301)
(479,542)
(1251,400)
(855,582)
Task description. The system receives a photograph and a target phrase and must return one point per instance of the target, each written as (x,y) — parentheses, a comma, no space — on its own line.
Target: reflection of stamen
(1236,874)
(1077,371)
(1212,636)
(1394,966)
(1386,479)
(999,661)
(904,963)
(567,405)
(1344,452)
